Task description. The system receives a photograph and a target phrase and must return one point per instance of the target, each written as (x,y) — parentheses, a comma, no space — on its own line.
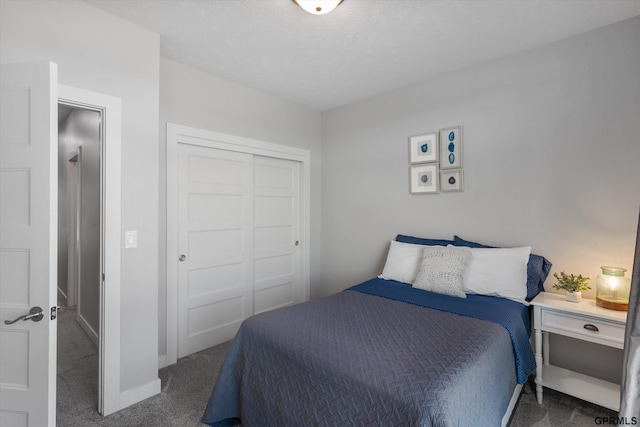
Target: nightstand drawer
(583,326)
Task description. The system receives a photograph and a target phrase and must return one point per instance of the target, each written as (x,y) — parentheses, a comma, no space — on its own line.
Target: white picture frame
(424,178)
(451,147)
(451,180)
(424,148)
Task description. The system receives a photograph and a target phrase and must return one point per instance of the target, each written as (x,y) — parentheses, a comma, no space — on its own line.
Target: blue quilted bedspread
(512,315)
(355,358)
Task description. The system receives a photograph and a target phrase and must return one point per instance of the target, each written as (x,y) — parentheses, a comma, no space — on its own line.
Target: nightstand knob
(591,327)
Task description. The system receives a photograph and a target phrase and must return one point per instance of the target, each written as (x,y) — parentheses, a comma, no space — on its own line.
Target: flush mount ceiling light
(318,7)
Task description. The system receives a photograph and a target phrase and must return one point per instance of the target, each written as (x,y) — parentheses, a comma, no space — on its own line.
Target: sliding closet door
(215,268)
(238,239)
(276,233)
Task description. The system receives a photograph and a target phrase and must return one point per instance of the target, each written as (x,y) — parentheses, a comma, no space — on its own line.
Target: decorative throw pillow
(442,270)
(402,262)
(500,272)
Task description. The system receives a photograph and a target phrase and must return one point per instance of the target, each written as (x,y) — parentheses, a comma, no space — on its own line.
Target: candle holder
(612,288)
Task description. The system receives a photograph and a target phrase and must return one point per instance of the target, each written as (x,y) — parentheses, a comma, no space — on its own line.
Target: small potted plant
(572,285)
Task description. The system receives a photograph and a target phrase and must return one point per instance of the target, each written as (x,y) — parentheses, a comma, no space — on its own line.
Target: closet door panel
(215,289)
(276,233)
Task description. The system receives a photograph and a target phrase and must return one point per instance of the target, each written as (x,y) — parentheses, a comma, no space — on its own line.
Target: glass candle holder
(612,288)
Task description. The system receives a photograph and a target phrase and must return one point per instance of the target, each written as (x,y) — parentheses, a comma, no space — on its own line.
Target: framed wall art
(451,147)
(451,180)
(423,148)
(424,178)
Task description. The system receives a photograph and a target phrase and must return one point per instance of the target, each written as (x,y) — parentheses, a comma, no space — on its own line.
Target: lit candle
(613,286)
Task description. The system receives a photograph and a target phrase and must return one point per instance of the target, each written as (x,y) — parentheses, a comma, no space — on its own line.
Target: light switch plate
(130,239)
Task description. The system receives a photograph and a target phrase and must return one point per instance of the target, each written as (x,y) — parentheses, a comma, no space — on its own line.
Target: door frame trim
(179,134)
(110,220)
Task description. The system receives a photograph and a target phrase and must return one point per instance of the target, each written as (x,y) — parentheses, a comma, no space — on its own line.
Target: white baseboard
(88,329)
(62,298)
(130,397)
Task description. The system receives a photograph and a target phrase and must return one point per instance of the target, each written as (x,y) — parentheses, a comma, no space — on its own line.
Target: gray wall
(193,98)
(65,215)
(551,151)
(87,125)
(99,52)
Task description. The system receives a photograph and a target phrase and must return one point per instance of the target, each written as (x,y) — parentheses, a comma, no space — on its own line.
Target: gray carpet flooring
(186,387)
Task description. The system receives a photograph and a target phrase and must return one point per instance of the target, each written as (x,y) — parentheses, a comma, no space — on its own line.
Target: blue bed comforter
(512,315)
(366,357)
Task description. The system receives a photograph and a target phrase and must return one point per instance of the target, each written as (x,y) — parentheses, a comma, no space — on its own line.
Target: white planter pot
(574,296)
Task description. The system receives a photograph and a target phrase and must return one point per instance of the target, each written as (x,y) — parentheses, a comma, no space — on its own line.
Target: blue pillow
(421,241)
(538,268)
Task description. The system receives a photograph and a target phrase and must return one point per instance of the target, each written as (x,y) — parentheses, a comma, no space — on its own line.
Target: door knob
(35,314)
(182,257)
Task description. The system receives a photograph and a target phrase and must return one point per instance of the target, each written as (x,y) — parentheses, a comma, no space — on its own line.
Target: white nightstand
(585,321)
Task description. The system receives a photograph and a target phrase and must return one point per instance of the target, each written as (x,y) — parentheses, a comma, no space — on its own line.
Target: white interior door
(215,274)
(28,243)
(276,233)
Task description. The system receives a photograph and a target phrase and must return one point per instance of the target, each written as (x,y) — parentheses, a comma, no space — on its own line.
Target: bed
(383,352)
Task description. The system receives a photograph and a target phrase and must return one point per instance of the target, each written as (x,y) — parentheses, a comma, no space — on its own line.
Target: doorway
(96,166)
(79,254)
(79,225)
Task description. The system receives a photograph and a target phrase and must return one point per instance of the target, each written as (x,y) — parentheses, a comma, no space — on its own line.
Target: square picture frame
(451,147)
(451,180)
(424,148)
(424,178)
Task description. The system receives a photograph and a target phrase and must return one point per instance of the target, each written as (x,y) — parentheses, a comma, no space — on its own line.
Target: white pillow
(500,272)
(402,262)
(442,270)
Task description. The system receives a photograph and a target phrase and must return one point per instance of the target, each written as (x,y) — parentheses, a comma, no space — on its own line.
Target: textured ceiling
(361,49)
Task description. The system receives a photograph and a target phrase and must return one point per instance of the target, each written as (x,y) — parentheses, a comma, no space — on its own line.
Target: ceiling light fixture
(318,7)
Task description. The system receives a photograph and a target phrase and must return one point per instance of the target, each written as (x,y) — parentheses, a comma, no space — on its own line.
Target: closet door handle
(182,257)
